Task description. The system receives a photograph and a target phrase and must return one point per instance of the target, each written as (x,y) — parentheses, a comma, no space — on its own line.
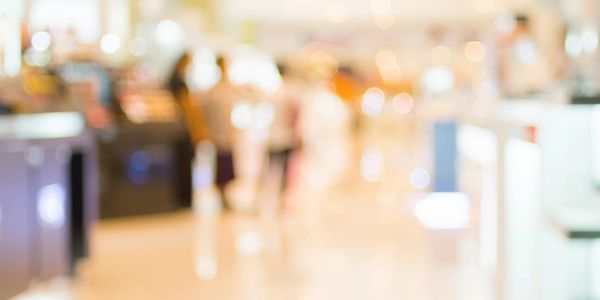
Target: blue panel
(444,144)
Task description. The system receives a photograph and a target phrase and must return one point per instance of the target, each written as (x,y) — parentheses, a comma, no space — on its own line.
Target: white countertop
(41,126)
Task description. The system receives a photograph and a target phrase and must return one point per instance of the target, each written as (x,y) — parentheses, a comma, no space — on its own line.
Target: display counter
(145,169)
(146,157)
(48,197)
(532,167)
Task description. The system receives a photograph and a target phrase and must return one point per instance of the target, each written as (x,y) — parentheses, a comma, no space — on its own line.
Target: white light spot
(445,211)
(249,243)
(419,179)
(372,102)
(573,44)
(37,58)
(589,38)
(241,115)
(51,205)
(437,80)
(206,268)
(265,76)
(169,32)
(371,165)
(205,73)
(526,51)
(41,41)
(110,43)
(263,115)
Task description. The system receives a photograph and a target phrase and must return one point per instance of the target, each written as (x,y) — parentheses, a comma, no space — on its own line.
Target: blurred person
(177,83)
(524,67)
(196,130)
(191,110)
(284,137)
(218,105)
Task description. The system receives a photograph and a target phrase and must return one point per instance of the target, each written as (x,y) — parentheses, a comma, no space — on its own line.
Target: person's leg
(225,174)
(184,156)
(285,163)
(279,164)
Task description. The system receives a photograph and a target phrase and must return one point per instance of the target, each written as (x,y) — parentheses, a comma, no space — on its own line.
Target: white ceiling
(357,11)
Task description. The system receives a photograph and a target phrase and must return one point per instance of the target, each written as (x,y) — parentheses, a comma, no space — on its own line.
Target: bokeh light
(204,72)
(36,58)
(526,52)
(372,102)
(371,165)
(388,66)
(249,243)
(589,39)
(169,33)
(437,80)
(403,103)
(474,51)
(51,205)
(110,43)
(41,41)
(206,268)
(419,179)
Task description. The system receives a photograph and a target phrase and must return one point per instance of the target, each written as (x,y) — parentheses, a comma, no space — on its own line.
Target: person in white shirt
(284,137)
(217,106)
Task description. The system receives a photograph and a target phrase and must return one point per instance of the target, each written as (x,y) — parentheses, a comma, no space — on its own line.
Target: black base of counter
(145,169)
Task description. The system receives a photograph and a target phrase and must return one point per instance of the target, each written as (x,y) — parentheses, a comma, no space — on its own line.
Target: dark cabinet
(145,169)
(52,222)
(48,202)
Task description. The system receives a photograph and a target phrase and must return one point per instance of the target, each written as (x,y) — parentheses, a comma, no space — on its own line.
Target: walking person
(218,105)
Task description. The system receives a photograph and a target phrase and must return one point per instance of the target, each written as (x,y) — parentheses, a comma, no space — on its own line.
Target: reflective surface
(355,239)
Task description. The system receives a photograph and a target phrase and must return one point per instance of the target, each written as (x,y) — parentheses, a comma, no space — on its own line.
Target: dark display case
(145,160)
(48,197)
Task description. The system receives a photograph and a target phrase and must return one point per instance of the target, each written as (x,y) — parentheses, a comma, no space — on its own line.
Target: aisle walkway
(342,244)
(356,240)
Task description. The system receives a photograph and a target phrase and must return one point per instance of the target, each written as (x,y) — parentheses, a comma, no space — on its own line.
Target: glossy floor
(357,238)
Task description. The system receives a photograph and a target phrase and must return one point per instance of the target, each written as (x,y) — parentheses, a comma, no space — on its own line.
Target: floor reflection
(354,238)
